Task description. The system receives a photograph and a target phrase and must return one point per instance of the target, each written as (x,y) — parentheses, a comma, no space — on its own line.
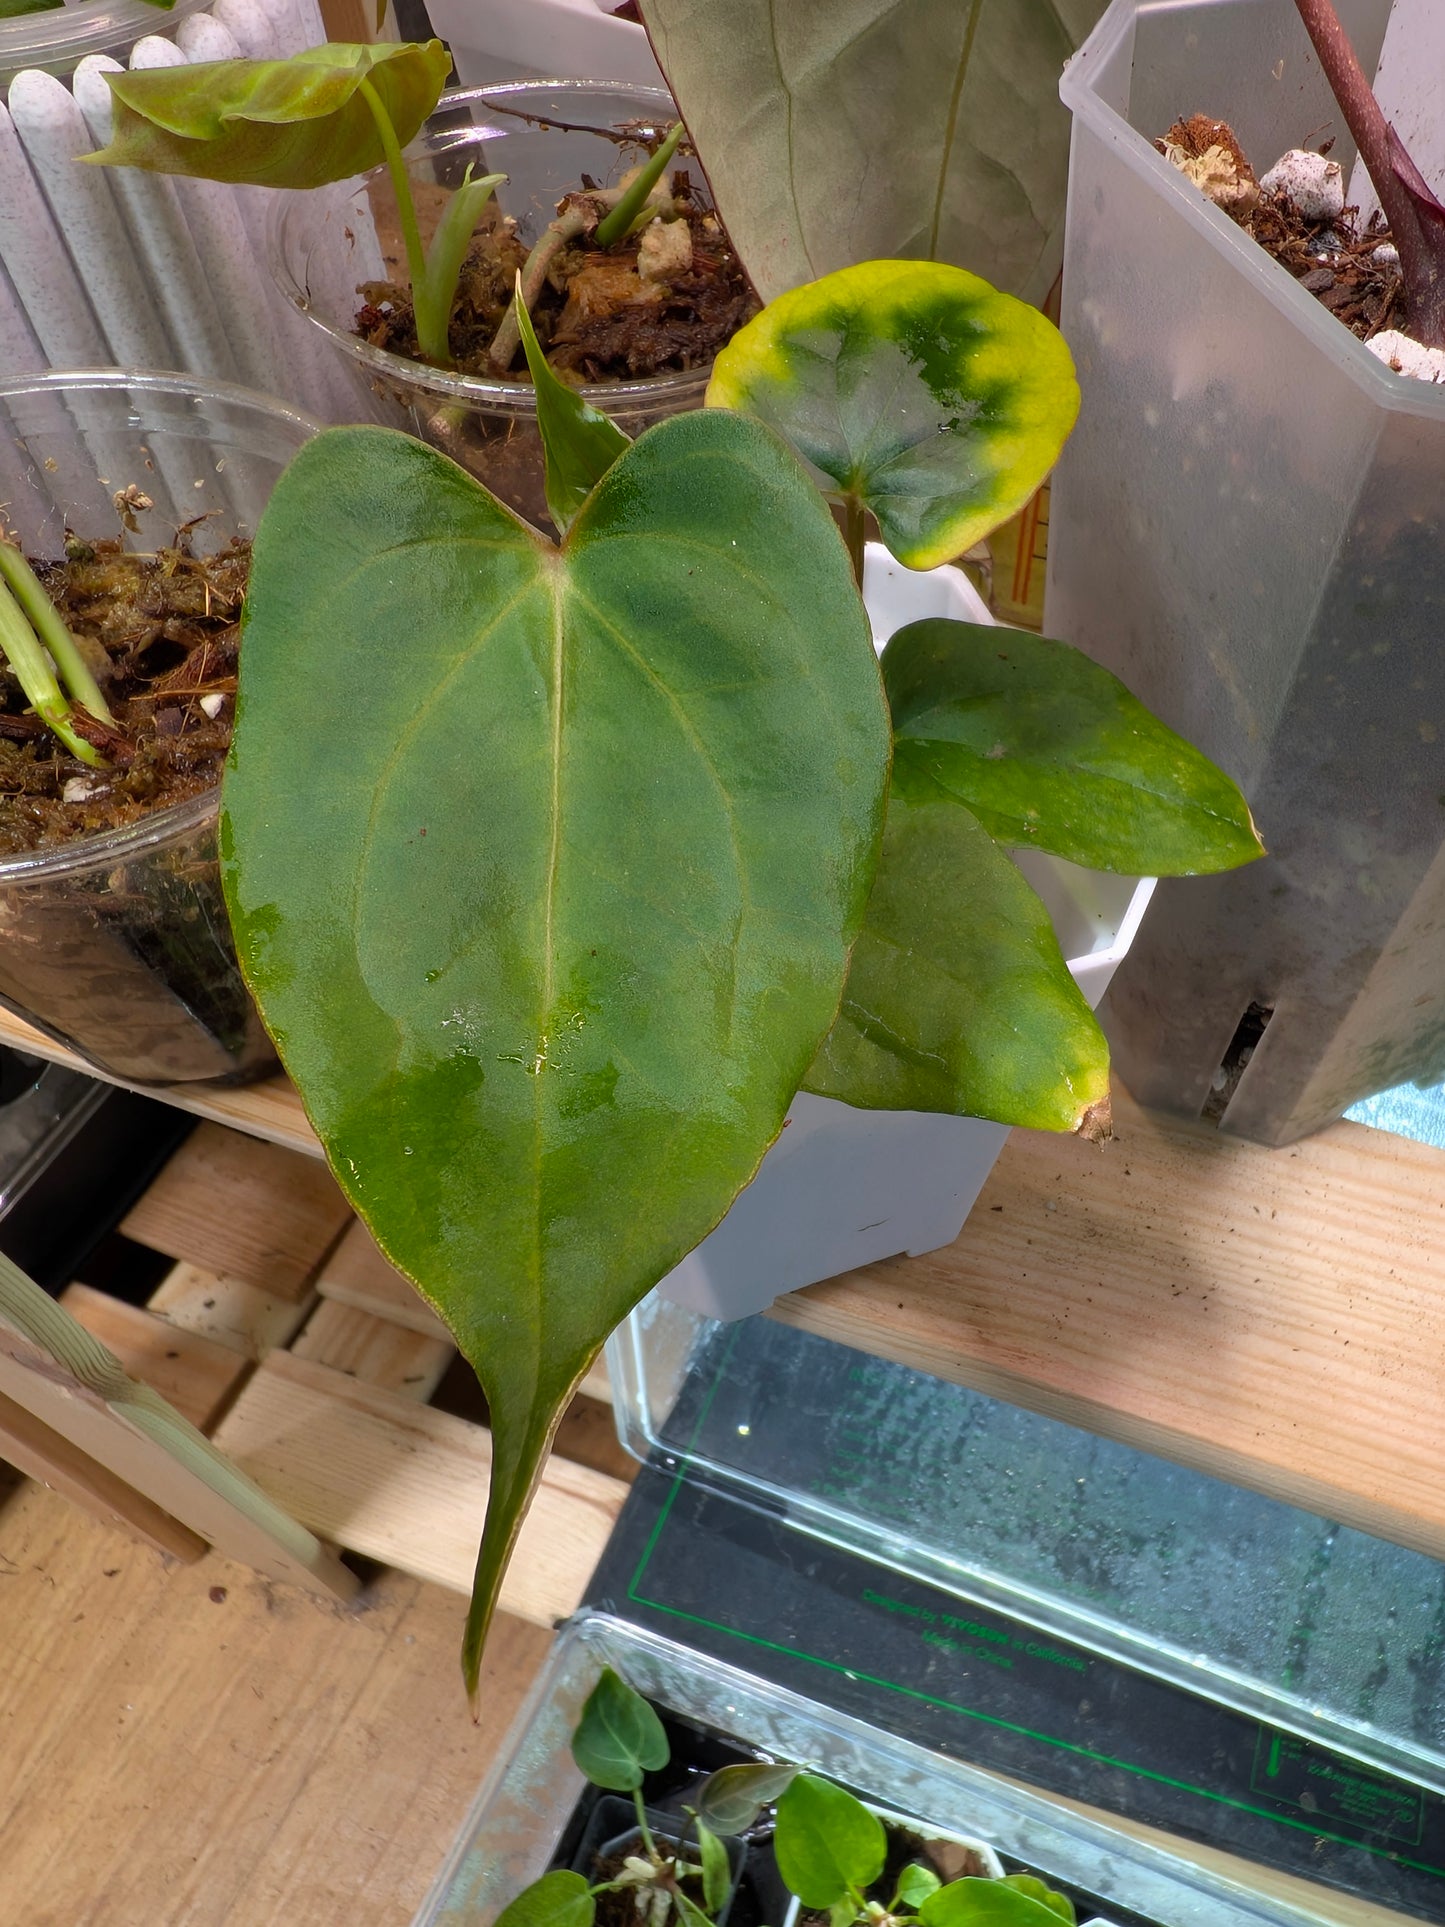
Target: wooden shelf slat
(1267,1316)
(1272,1317)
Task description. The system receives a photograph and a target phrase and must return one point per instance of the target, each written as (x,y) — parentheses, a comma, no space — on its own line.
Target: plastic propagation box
(528,1803)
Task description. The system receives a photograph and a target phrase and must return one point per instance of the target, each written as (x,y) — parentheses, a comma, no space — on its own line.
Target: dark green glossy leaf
(544,866)
(558,1899)
(958,998)
(916,1883)
(619,1737)
(1049,750)
(985,1903)
(717,1876)
(887,127)
(732,1798)
(579,442)
(917,390)
(826,1842)
(1036,1889)
(272,123)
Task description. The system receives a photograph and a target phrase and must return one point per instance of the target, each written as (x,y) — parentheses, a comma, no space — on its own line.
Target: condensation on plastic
(1248,526)
(488,426)
(118,946)
(507,1838)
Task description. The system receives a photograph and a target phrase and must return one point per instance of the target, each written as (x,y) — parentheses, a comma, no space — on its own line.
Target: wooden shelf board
(1267,1316)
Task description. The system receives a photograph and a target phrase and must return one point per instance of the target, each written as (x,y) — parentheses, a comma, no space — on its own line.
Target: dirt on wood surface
(160,633)
(1333,260)
(602,315)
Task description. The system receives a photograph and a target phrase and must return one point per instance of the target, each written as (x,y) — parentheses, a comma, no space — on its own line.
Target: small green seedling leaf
(985,1903)
(691,1914)
(432,299)
(915,1884)
(615,223)
(1050,751)
(958,997)
(827,1843)
(273,123)
(579,442)
(619,1738)
(717,1875)
(1036,1889)
(558,1899)
(732,1798)
(919,392)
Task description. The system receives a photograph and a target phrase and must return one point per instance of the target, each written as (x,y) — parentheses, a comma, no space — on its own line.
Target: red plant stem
(1419,237)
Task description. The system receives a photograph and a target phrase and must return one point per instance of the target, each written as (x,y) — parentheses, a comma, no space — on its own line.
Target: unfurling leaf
(717,1875)
(958,997)
(1050,751)
(579,442)
(732,1798)
(273,123)
(827,1842)
(619,1737)
(544,864)
(917,391)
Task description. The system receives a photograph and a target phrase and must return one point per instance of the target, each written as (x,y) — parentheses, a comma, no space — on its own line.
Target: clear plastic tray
(1260,1606)
(507,1838)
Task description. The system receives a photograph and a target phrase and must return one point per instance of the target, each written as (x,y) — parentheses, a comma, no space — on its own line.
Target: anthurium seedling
(618,1740)
(558,869)
(337,110)
(831,1852)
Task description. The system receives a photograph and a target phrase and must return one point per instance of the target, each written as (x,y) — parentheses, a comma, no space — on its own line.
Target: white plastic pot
(494,40)
(843,1187)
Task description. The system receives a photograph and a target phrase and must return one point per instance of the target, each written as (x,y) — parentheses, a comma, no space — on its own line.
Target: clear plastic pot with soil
(639,348)
(114,938)
(61,36)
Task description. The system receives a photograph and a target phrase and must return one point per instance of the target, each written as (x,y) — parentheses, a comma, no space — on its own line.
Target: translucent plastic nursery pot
(60,38)
(844,1187)
(118,945)
(1248,526)
(508,39)
(321,253)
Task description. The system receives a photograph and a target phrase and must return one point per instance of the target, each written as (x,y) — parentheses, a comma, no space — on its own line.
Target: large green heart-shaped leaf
(273,123)
(841,133)
(544,865)
(619,1738)
(917,390)
(958,998)
(1049,750)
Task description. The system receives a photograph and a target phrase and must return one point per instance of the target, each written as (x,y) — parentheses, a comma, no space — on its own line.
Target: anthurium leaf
(717,1875)
(732,1798)
(558,1899)
(916,1883)
(916,390)
(272,123)
(1049,750)
(835,134)
(985,1903)
(579,442)
(618,1737)
(432,302)
(958,998)
(826,1842)
(1036,1889)
(545,864)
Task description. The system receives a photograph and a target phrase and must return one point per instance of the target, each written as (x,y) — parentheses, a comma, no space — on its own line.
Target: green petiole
(433,278)
(34,671)
(46,621)
(614,225)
